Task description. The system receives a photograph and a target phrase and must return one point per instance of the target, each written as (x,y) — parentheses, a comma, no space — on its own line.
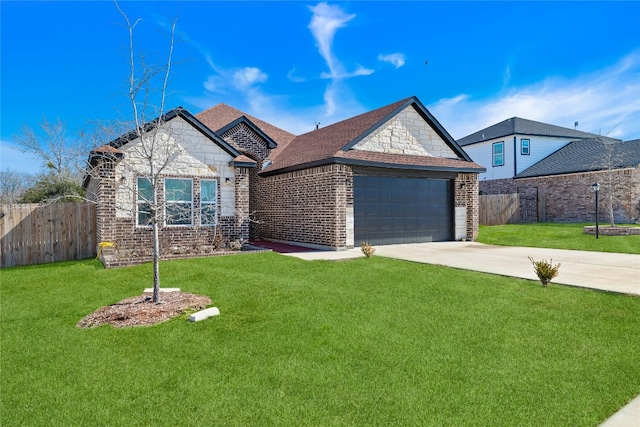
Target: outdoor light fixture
(123,179)
(595,188)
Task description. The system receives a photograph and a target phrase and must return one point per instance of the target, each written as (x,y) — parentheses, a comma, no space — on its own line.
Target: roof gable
(325,145)
(586,155)
(122,140)
(221,115)
(242,120)
(406,133)
(519,126)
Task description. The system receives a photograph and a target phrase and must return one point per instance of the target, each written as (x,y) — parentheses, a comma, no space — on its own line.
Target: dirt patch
(141,311)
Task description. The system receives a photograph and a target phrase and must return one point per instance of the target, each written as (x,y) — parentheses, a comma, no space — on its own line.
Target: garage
(402,209)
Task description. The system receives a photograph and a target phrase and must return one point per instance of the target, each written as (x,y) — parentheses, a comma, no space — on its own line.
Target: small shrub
(367,249)
(545,270)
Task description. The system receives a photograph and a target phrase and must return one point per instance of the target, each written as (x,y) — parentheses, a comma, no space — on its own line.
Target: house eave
(368,163)
(243,164)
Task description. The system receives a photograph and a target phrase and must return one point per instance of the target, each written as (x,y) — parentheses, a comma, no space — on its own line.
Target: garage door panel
(389,210)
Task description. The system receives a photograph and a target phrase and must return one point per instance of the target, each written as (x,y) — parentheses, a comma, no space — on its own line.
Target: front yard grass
(362,342)
(556,236)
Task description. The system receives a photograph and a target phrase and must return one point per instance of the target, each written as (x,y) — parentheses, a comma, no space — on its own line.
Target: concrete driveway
(596,270)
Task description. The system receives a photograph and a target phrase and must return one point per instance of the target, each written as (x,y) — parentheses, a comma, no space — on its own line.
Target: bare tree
(13,185)
(61,155)
(62,162)
(610,159)
(153,146)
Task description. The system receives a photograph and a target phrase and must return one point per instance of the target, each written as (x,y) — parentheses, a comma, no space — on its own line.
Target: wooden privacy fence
(498,209)
(34,234)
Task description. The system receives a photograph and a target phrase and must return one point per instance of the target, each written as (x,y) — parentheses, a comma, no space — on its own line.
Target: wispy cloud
(395,59)
(248,76)
(326,20)
(294,77)
(246,88)
(604,102)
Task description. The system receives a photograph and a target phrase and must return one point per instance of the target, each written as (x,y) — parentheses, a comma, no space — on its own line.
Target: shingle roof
(518,126)
(221,115)
(327,145)
(586,155)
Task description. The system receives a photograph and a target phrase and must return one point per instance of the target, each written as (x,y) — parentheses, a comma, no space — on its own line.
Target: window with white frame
(209,202)
(178,194)
(498,153)
(525,147)
(144,197)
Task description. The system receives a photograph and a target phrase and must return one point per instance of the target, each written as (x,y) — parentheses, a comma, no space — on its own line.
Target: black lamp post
(596,187)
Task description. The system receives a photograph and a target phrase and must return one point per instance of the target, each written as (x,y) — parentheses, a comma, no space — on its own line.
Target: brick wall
(244,139)
(466,197)
(307,206)
(315,206)
(570,197)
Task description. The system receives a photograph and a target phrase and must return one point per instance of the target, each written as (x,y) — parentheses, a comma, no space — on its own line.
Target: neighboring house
(553,169)
(509,147)
(393,175)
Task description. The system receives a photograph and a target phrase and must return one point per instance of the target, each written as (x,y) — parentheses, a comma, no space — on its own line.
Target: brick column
(242,203)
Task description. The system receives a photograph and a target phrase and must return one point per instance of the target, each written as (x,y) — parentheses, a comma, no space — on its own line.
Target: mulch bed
(141,311)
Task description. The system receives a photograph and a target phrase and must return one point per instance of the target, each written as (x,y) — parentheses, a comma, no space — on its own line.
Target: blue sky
(295,63)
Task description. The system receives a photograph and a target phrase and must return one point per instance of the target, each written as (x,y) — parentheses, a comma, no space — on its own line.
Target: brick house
(553,169)
(392,175)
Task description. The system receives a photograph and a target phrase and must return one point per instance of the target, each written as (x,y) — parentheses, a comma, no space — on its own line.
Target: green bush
(545,270)
(50,188)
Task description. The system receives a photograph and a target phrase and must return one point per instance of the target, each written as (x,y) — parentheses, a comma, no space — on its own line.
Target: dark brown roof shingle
(217,117)
(323,143)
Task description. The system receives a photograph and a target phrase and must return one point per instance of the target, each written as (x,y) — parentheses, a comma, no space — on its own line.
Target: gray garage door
(390,210)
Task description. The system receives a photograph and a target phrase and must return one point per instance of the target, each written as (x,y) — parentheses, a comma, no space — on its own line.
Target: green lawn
(361,342)
(558,236)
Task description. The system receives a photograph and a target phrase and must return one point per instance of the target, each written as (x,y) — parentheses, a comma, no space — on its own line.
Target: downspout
(515,157)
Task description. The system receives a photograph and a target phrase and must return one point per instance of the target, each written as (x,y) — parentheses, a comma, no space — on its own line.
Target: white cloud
(359,71)
(291,75)
(243,87)
(604,102)
(395,59)
(248,77)
(325,22)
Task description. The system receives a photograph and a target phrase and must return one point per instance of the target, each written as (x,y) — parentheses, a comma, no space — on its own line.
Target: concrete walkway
(595,270)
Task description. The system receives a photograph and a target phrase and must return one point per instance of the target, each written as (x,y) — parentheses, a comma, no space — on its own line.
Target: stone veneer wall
(307,206)
(406,133)
(570,197)
(466,197)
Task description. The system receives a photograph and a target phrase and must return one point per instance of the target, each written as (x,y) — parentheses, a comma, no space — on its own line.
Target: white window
(178,193)
(524,147)
(209,202)
(498,153)
(144,197)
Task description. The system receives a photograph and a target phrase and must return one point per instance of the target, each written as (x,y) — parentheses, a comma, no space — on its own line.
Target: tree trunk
(156,263)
